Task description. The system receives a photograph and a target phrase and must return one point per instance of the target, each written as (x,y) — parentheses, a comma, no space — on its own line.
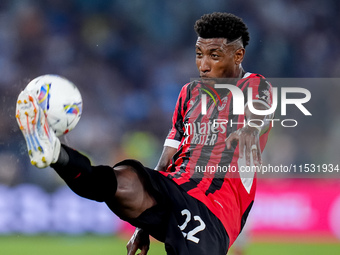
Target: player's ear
(239,55)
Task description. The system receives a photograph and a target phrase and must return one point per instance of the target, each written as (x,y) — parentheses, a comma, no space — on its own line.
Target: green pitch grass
(108,245)
(68,245)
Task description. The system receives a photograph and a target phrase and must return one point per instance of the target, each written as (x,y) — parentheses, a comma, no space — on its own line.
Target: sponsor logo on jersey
(204,133)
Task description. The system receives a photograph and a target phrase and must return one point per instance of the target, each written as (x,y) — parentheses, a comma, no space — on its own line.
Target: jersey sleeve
(176,132)
(262,91)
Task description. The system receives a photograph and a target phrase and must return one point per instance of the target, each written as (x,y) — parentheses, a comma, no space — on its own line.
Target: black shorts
(183,223)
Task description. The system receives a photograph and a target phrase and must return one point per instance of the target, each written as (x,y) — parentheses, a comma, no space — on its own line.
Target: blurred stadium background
(129,59)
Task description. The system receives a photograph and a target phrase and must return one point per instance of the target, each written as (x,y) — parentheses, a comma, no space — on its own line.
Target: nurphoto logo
(287,97)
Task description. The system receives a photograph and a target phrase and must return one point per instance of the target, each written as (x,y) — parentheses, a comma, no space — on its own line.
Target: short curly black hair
(222,25)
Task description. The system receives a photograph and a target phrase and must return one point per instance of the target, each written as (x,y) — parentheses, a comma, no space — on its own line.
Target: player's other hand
(139,240)
(249,143)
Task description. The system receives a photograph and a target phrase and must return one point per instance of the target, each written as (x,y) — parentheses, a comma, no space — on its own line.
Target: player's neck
(241,72)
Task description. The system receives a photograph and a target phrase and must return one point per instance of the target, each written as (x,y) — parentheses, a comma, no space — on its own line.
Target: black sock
(71,163)
(93,182)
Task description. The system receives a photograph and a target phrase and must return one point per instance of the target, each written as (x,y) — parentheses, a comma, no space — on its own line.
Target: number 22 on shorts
(191,234)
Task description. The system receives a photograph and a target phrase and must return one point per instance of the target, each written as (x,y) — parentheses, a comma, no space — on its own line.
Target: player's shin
(93,182)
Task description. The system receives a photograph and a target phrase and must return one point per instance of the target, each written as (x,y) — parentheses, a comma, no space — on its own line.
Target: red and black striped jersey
(203,165)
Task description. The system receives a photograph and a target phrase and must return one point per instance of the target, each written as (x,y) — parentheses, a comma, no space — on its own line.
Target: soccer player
(196,201)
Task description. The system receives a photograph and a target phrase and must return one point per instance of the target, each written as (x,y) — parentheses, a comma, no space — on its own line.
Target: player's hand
(139,240)
(249,143)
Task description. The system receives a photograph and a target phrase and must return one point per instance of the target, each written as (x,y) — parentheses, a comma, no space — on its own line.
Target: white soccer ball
(60,100)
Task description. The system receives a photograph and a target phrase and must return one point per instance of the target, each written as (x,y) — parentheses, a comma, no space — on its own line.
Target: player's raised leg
(121,187)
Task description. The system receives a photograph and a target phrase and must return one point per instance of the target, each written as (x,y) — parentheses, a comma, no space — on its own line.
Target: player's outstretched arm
(139,240)
(164,161)
(248,137)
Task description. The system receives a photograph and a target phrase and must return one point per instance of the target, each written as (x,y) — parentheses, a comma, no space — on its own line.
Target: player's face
(217,59)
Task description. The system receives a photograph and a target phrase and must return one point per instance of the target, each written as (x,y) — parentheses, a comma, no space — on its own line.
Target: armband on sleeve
(171,143)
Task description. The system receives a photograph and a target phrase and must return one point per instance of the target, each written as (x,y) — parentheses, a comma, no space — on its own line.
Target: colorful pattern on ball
(73,109)
(44,96)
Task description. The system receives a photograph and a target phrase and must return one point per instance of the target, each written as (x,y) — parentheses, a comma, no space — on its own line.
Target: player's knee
(129,184)
(131,193)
